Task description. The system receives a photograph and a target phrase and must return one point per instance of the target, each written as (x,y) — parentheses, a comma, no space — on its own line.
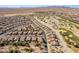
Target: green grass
(69,19)
(74,37)
(77,26)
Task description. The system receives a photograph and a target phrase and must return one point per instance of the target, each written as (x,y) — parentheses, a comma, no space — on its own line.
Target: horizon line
(37,6)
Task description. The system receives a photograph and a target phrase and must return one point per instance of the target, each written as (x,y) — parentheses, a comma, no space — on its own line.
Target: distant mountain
(35,7)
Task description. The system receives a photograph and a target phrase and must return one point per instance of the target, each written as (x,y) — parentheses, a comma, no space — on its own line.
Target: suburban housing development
(39,30)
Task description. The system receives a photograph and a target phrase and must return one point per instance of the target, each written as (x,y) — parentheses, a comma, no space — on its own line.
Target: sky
(28,6)
(73,6)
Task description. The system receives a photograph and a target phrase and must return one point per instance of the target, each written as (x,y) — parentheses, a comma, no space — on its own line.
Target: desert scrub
(14,51)
(2,43)
(29,50)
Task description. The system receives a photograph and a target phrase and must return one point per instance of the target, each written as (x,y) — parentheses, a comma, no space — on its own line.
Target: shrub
(23,43)
(31,50)
(26,49)
(2,44)
(14,51)
(77,46)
